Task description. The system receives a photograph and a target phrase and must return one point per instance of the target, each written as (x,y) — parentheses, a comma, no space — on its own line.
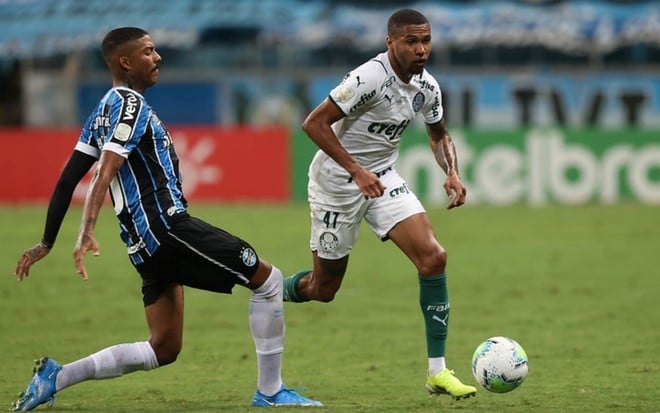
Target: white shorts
(338,207)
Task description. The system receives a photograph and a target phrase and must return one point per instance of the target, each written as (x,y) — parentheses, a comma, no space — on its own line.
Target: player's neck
(129,83)
(405,77)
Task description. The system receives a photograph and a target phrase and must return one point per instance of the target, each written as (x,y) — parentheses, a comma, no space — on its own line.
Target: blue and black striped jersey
(146,191)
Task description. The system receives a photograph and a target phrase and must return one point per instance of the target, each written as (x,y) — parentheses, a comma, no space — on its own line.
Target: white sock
(110,362)
(436,365)
(267,326)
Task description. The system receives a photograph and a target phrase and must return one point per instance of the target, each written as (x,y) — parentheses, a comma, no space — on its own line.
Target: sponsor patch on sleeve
(122,132)
(342,93)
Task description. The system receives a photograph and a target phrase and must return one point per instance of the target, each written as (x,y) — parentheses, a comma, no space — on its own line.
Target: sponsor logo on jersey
(400,190)
(130,108)
(425,84)
(249,257)
(101,121)
(388,129)
(418,101)
(436,105)
(342,93)
(366,97)
(328,241)
(122,132)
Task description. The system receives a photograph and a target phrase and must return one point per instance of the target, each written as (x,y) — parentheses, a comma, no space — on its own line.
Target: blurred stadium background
(549,101)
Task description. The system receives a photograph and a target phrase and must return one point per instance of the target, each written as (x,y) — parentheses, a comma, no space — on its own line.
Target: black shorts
(199,255)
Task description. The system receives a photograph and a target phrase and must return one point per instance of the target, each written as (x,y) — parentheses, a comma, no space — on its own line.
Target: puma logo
(441,320)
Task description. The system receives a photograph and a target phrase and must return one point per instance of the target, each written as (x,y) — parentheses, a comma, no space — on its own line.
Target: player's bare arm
(318,127)
(109,164)
(444,151)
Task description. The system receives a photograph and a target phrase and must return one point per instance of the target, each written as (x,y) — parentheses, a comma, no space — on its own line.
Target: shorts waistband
(378,174)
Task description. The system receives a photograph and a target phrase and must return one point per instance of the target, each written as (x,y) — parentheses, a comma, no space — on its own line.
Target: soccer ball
(499,364)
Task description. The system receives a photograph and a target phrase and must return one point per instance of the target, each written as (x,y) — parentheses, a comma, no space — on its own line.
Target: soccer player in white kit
(352,177)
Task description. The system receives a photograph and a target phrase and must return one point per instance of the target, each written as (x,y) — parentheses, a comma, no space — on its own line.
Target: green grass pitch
(578,287)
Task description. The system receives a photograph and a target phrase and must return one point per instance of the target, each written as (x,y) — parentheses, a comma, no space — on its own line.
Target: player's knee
(168,356)
(433,262)
(166,351)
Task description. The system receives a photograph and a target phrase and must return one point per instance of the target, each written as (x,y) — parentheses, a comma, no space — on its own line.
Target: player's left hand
(86,242)
(455,190)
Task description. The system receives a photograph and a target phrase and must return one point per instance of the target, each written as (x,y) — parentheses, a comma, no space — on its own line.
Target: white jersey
(378,108)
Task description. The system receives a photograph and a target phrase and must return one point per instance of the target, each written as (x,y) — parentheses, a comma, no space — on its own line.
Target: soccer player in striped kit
(168,247)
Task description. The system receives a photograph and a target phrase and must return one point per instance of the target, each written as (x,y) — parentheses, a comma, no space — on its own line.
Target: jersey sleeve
(432,110)
(129,119)
(86,142)
(358,90)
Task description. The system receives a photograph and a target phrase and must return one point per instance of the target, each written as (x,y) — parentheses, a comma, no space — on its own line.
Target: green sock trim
(290,289)
(432,278)
(434,303)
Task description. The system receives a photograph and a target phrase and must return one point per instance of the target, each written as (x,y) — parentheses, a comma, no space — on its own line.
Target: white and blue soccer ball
(499,364)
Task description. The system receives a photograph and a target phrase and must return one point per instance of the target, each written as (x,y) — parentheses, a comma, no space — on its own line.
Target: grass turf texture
(577,287)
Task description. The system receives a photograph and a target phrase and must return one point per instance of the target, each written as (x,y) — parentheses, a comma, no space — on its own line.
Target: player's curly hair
(118,37)
(404,17)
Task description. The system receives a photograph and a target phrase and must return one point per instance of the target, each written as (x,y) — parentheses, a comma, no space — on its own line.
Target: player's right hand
(86,242)
(29,257)
(369,184)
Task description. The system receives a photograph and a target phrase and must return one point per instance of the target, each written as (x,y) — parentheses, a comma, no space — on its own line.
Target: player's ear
(124,63)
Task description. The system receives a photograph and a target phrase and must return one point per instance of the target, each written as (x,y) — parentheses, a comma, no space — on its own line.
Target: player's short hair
(404,17)
(118,37)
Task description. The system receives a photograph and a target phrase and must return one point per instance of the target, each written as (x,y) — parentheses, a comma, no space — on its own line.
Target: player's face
(144,62)
(410,49)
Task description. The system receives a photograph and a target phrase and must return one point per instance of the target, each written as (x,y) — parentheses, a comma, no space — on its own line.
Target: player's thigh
(415,237)
(210,258)
(397,204)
